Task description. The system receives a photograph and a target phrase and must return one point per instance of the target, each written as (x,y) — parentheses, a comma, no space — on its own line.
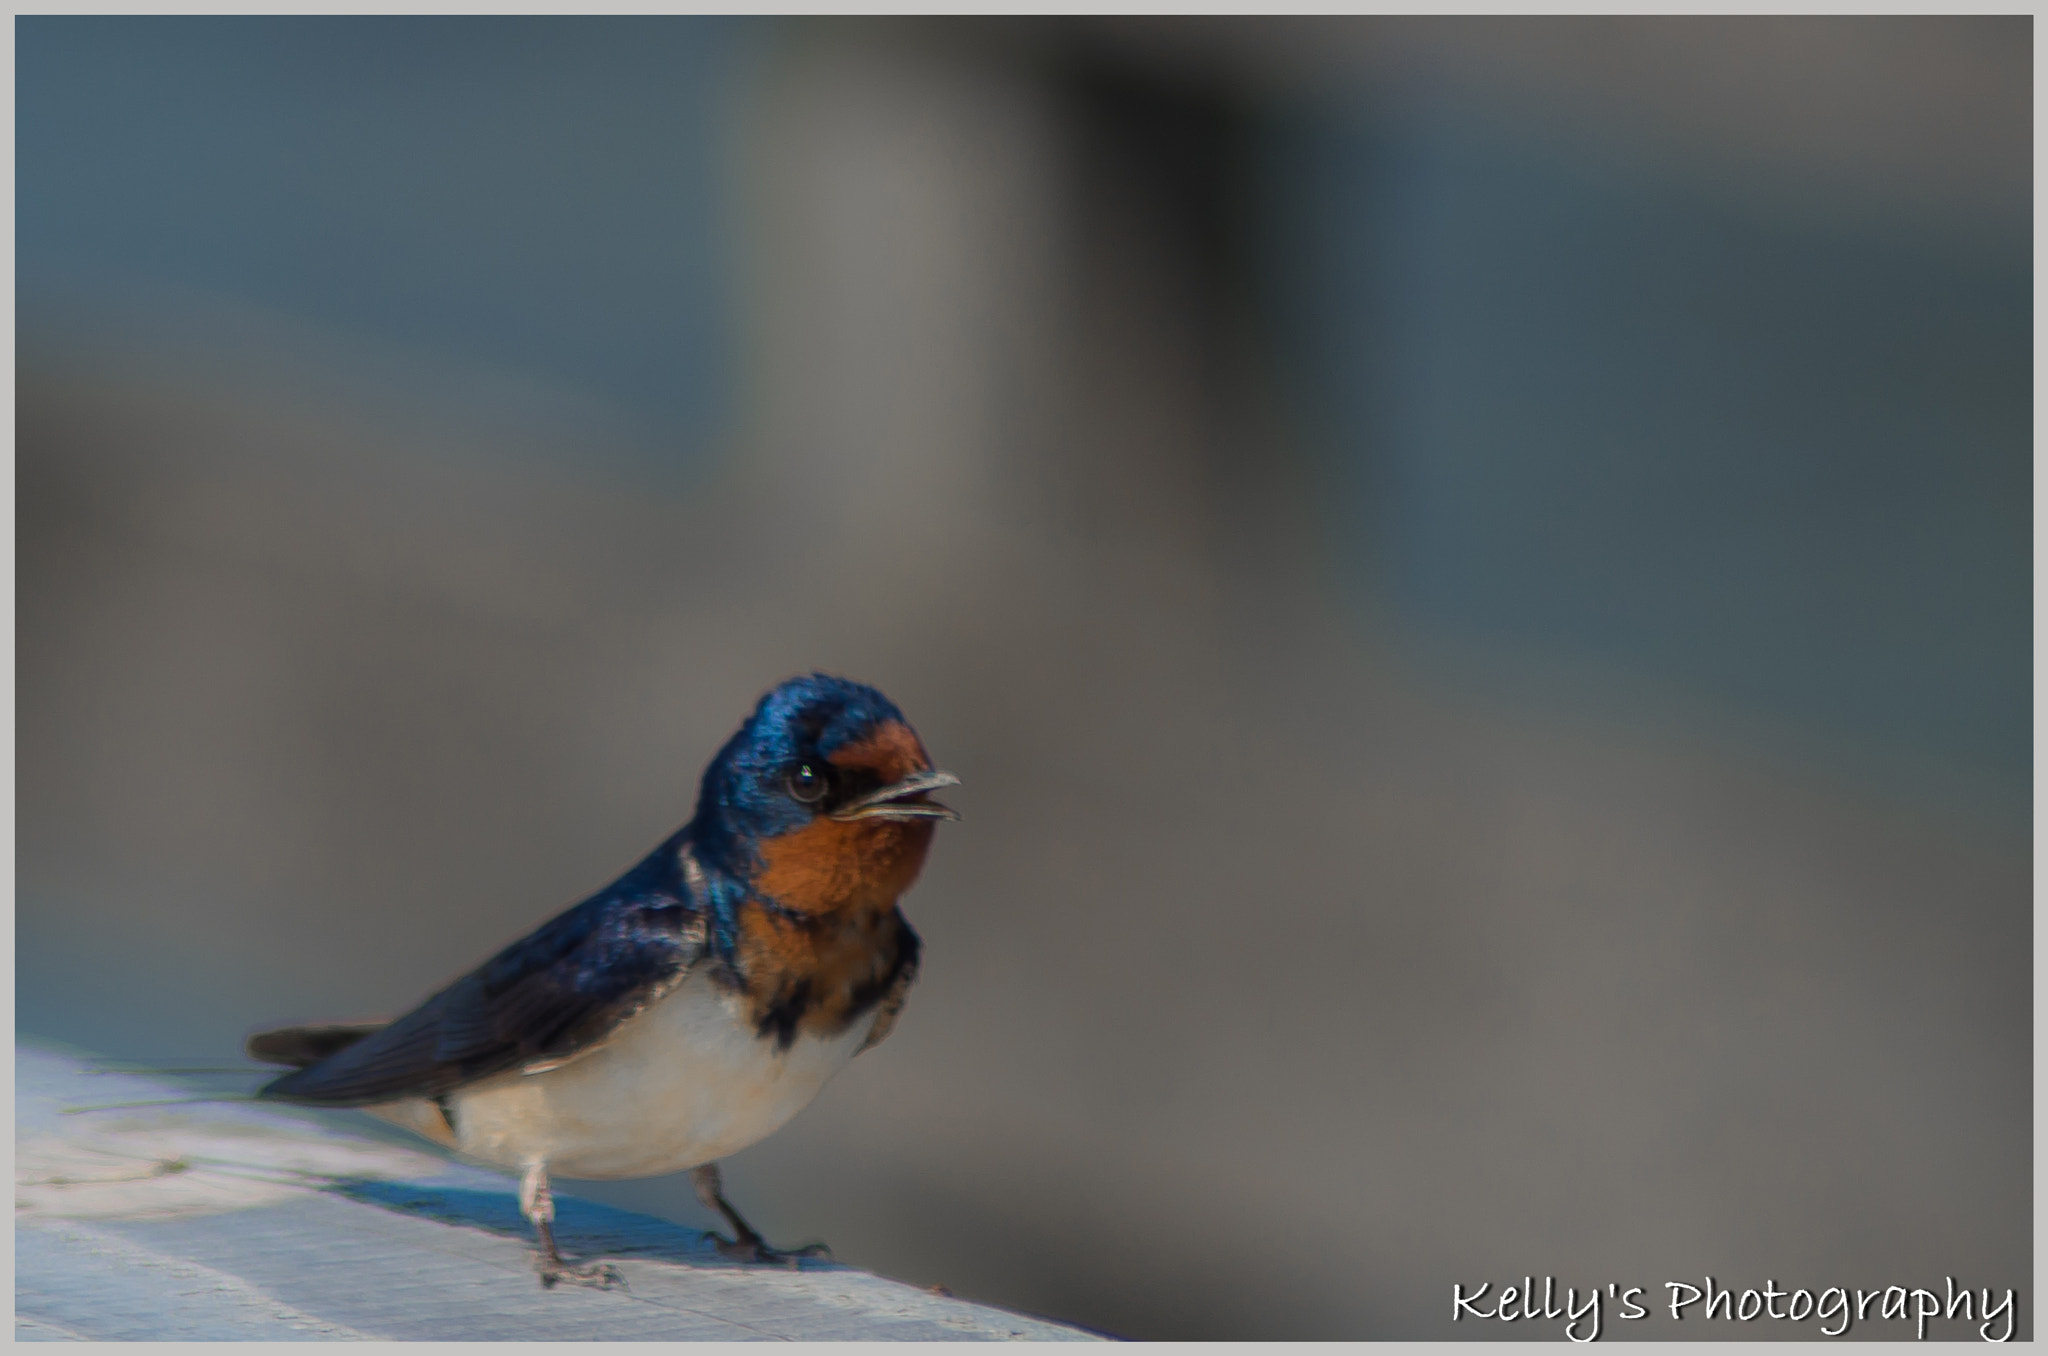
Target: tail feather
(304,1046)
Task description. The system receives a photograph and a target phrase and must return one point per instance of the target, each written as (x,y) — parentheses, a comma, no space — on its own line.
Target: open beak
(904,800)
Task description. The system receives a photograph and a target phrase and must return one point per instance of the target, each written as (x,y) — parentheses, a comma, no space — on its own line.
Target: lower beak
(903,800)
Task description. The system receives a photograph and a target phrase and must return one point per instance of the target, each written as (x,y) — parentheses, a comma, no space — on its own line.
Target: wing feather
(543,1000)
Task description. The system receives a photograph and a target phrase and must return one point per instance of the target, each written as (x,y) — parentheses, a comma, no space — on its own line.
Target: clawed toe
(547,1260)
(746,1244)
(597,1275)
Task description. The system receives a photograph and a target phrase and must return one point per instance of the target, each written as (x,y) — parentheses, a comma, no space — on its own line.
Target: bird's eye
(808,783)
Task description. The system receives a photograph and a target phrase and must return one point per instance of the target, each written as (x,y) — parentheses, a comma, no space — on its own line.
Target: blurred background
(1476,573)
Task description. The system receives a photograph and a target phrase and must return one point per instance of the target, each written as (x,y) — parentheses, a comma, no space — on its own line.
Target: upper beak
(893,802)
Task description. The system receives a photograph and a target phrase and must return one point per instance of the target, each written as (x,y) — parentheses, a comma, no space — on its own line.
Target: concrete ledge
(233,1221)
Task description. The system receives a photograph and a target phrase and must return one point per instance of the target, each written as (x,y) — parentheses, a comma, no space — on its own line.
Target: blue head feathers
(745,794)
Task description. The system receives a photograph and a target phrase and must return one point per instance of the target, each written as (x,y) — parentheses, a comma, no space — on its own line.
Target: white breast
(682,1083)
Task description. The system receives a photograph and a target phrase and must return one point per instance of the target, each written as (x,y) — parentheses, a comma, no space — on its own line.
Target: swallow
(691,1007)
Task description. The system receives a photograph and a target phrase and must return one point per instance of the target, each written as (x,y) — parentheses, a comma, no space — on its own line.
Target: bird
(691,1007)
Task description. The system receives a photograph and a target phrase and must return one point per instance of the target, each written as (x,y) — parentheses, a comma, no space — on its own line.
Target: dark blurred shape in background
(1477,573)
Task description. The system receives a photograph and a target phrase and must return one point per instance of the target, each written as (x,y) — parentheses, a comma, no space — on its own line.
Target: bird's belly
(682,1083)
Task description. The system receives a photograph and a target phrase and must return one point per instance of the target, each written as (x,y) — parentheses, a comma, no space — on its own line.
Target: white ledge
(237,1221)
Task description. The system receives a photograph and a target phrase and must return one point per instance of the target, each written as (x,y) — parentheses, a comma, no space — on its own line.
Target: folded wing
(544,999)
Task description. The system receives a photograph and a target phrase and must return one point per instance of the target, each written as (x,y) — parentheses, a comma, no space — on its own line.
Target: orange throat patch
(838,947)
(846,944)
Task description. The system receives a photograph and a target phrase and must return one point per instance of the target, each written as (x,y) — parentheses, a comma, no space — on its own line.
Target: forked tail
(304,1046)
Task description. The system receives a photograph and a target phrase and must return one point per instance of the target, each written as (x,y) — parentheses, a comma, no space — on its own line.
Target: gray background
(1476,573)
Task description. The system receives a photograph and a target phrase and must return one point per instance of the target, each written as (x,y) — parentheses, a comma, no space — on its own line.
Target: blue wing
(548,996)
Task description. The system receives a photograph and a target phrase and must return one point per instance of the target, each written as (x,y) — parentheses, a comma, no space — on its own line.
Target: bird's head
(822,800)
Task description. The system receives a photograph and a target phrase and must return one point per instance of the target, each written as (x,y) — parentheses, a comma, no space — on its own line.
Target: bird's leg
(746,1244)
(537,1203)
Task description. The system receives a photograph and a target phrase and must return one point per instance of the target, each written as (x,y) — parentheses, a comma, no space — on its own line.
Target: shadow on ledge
(584,1230)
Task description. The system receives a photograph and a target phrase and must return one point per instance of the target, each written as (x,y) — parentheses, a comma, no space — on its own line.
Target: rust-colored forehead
(892,753)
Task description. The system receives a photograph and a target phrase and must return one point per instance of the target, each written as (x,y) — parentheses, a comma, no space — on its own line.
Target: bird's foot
(597,1275)
(548,1261)
(755,1249)
(746,1245)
